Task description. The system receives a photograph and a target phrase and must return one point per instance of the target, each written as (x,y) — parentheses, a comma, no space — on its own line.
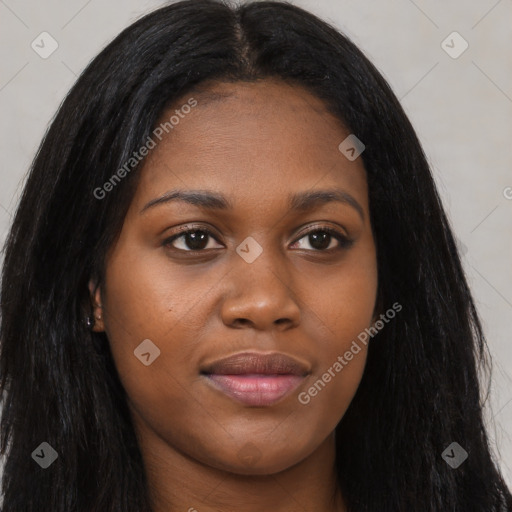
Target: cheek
(329,391)
(153,337)
(344,305)
(344,313)
(148,298)
(144,301)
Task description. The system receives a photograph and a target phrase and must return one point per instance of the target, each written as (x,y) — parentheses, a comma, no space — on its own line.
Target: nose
(260,296)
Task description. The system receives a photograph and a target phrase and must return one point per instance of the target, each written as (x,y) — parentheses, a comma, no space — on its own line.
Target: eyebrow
(300,201)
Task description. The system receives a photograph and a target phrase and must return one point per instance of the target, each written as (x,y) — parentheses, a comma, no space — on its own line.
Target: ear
(97,307)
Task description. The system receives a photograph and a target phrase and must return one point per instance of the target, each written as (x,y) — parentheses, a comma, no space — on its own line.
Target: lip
(256,379)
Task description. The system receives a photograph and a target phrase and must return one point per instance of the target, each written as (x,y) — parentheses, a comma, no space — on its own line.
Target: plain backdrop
(458,99)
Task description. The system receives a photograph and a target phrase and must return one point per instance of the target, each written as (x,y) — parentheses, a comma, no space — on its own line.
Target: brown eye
(321,239)
(191,240)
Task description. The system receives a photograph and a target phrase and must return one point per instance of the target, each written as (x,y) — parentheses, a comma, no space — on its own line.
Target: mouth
(256,379)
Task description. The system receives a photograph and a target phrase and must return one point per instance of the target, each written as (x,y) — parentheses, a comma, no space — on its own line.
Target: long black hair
(420,390)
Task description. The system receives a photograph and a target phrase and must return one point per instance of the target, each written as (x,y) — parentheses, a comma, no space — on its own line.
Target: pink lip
(254,378)
(256,390)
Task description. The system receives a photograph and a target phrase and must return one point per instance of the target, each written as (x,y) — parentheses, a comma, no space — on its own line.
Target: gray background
(461,108)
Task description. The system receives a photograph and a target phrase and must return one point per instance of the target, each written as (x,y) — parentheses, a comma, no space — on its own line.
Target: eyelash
(344,241)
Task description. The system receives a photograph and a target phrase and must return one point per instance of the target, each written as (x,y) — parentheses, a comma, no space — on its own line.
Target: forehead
(249,140)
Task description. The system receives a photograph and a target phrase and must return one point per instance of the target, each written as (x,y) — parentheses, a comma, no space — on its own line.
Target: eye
(320,239)
(324,239)
(195,239)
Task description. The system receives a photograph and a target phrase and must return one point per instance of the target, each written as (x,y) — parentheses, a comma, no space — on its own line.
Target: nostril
(240,322)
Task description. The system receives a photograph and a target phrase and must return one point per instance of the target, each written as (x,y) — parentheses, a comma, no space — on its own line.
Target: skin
(256,143)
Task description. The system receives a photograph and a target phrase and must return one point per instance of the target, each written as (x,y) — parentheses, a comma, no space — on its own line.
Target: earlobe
(96,321)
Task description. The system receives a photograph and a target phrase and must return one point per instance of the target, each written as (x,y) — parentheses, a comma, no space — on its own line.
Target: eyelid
(344,240)
(322,227)
(190,228)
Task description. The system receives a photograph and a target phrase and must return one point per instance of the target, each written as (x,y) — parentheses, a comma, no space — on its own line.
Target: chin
(251,461)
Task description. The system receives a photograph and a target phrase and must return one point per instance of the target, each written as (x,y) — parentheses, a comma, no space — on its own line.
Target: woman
(230,285)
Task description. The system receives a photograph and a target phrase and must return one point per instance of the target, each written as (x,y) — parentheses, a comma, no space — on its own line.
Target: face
(257,264)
